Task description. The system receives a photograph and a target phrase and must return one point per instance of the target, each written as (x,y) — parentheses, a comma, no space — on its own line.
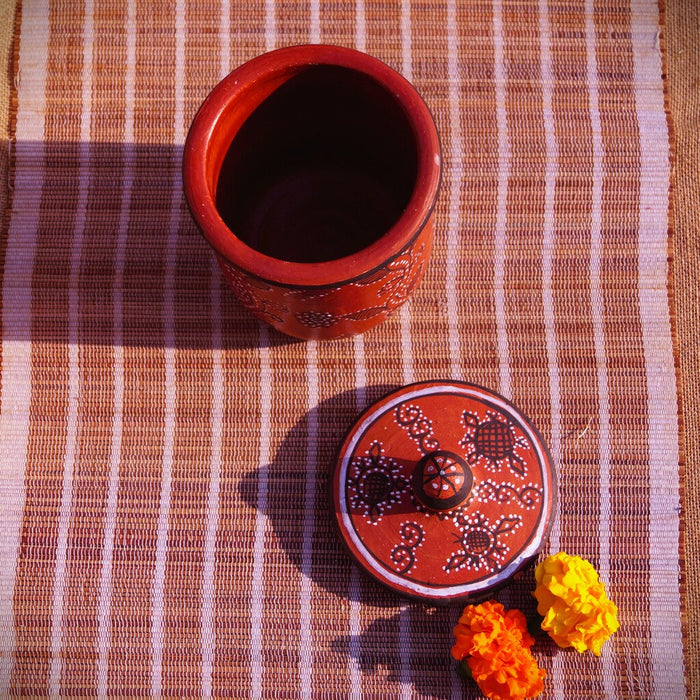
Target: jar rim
(207,144)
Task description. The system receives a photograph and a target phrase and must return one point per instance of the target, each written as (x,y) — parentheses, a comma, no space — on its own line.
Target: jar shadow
(379,650)
(425,661)
(293,492)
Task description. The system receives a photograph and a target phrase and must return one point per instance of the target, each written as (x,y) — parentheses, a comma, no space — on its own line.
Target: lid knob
(442,480)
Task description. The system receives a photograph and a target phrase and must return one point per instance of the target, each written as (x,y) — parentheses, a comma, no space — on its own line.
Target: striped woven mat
(164,458)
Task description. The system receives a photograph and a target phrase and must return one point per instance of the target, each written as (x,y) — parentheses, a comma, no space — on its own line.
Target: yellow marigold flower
(577,611)
(496,646)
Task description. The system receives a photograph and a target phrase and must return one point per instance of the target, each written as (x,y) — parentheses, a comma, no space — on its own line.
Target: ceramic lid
(443,490)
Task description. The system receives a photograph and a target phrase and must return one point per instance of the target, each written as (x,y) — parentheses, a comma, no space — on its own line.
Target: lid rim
(492,578)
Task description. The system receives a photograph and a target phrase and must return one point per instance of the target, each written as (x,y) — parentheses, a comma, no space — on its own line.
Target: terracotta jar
(313,173)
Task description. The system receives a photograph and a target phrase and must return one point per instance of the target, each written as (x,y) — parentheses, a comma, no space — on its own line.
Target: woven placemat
(165,524)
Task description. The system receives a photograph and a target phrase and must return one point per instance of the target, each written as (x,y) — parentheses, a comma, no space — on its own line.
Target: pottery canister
(313,172)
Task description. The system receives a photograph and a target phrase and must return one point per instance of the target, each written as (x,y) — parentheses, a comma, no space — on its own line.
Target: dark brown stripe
(383,361)
(293,22)
(525,212)
(383,30)
(8,115)
(527,351)
(429,70)
(579,485)
(287,474)
(338,22)
(680,47)
(382,346)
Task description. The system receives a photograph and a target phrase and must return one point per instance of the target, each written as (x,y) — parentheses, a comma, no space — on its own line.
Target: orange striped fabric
(165,527)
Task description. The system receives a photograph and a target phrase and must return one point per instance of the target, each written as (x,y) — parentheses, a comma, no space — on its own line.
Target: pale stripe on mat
(270,25)
(72,419)
(549,241)
(667,670)
(354,586)
(408,368)
(597,313)
(360,27)
(315,21)
(17,312)
(454,229)
(104,622)
(170,380)
(257,589)
(455,183)
(597,306)
(305,638)
(208,595)
(224,43)
(158,588)
(406,344)
(499,76)
(548,247)
(306,657)
(405,310)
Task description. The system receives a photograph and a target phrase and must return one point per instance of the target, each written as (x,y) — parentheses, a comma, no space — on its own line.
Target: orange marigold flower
(496,647)
(577,611)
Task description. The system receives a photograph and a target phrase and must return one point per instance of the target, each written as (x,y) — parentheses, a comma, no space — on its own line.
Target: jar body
(334,311)
(313,173)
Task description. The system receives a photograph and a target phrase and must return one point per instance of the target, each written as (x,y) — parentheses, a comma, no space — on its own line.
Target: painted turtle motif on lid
(443,490)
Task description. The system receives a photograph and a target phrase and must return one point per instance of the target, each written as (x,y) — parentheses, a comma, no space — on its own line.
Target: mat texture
(683,64)
(165,458)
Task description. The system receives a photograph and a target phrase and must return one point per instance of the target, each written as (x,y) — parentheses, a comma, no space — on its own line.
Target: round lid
(443,490)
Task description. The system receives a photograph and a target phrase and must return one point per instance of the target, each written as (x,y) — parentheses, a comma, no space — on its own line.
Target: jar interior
(321,169)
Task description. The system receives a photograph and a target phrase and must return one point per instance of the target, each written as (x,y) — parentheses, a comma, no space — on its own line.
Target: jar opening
(321,169)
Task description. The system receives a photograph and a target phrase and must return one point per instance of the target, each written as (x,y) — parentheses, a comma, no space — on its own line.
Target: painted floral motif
(377,295)
(317,319)
(403,555)
(399,278)
(325,319)
(255,295)
(418,426)
(528,496)
(480,544)
(309,294)
(403,275)
(493,442)
(375,483)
